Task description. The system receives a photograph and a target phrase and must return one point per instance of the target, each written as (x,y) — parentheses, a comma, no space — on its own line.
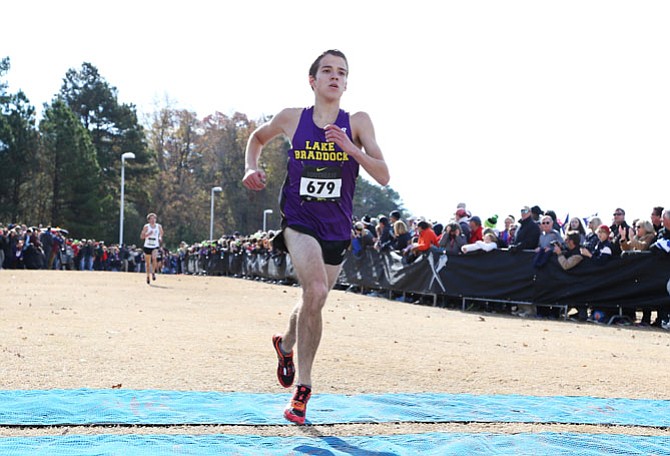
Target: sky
(496,104)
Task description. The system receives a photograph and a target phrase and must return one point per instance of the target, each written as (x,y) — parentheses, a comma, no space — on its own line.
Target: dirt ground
(61,329)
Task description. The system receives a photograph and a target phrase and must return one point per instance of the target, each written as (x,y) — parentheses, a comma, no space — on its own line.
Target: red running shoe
(297,408)
(285,367)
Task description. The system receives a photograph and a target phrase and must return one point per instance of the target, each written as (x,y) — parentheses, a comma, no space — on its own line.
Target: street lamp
(265,215)
(125,156)
(211,213)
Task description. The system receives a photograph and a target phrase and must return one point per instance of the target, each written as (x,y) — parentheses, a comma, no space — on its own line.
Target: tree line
(65,169)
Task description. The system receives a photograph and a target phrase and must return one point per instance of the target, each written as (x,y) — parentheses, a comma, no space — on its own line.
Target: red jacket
(476,235)
(427,238)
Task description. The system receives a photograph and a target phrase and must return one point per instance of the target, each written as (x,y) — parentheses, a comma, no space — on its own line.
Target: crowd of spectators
(36,247)
(536,230)
(572,243)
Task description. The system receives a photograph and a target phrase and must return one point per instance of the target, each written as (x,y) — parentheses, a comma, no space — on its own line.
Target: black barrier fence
(635,281)
(263,265)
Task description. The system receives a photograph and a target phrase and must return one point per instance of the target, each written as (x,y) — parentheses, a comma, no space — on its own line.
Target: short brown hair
(315,66)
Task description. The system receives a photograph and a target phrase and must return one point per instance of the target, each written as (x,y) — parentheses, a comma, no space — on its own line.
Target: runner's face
(331,78)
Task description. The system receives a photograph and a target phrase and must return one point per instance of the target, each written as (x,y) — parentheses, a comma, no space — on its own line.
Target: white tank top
(152,240)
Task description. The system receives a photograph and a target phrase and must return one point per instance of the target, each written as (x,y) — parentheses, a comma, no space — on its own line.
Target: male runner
(327,147)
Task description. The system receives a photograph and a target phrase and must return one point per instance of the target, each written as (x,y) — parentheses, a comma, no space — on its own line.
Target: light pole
(211,213)
(125,156)
(265,218)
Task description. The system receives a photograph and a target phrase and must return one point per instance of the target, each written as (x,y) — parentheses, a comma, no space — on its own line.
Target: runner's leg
(316,278)
(147,264)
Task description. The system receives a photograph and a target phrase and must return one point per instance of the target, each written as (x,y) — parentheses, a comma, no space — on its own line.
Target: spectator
(86,252)
(488,243)
(463,219)
(412,229)
(536,212)
(657,218)
(58,251)
(554,218)
(113,259)
(402,237)
(361,239)
(47,241)
(548,238)
(592,236)
(662,242)
(618,230)
(492,223)
(384,238)
(527,233)
(641,240)
(17,253)
(452,239)
(576,224)
(601,255)
(603,249)
(3,245)
(427,238)
(33,256)
(394,216)
(662,246)
(476,230)
(99,256)
(506,235)
(438,229)
(568,258)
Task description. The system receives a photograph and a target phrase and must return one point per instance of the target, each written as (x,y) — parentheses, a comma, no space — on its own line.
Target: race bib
(321,183)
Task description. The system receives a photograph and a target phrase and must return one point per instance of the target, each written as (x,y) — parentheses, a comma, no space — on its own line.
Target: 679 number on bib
(321,184)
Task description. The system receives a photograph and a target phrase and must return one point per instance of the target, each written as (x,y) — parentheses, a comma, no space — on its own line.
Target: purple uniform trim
(328,218)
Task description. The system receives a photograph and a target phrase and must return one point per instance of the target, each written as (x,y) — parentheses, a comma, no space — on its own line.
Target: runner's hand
(339,136)
(254,179)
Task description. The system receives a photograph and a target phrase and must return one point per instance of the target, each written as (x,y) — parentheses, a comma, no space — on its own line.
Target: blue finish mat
(381,445)
(153,407)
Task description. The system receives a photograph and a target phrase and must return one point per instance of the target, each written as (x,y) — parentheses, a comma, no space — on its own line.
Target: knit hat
(604,228)
(491,222)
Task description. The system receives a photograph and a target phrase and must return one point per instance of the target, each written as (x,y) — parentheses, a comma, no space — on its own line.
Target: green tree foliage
(176,193)
(74,175)
(18,141)
(372,199)
(18,162)
(223,144)
(114,129)
(4,68)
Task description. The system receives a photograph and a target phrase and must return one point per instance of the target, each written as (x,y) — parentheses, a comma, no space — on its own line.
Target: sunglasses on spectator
(546,223)
(618,213)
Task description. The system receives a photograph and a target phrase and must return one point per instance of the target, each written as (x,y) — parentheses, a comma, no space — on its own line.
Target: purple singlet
(317,195)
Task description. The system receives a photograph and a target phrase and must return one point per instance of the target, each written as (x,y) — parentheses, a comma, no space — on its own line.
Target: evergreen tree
(18,150)
(74,175)
(114,130)
(371,199)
